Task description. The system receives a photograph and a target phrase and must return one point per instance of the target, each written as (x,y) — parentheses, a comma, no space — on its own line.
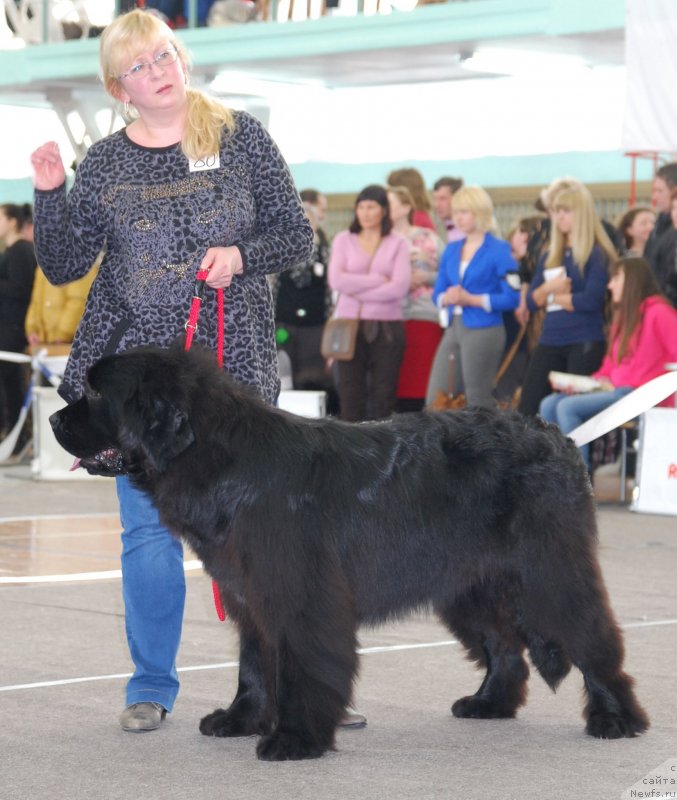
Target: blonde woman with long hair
(570,284)
(187,185)
(477,281)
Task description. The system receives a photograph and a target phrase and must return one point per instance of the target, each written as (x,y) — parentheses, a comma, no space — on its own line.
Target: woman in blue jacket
(477,281)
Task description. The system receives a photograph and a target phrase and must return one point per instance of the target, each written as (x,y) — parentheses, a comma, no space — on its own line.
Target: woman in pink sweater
(643,340)
(369,268)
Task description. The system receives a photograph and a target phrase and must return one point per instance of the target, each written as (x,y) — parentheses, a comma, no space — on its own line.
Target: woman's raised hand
(48,169)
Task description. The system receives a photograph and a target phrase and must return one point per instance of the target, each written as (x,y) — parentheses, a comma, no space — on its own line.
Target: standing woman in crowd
(17,272)
(413,180)
(643,340)
(635,229)
(421,326)
(187,185)
(369,268)
(477,281)
(570,284)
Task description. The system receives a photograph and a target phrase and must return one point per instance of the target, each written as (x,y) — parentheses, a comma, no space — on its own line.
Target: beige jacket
(55,311)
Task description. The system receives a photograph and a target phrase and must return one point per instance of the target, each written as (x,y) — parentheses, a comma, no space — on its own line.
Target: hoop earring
(125,109)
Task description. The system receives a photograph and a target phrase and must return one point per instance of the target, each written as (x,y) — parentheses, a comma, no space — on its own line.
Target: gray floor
(61,740)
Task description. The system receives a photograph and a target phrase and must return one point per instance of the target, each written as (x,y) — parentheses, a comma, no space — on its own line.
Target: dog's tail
(552,663)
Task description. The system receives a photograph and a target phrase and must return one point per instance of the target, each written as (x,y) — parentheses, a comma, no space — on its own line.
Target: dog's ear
(156,433)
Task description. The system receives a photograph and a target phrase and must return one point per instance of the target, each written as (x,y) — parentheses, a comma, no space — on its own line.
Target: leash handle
(196,303)
(191,327)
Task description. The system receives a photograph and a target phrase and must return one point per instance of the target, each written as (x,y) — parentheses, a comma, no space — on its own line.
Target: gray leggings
(477,355)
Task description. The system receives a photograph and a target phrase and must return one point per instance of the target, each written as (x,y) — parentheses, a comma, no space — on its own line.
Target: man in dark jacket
(662,245)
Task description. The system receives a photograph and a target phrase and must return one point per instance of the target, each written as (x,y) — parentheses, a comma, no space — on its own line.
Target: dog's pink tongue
(76,464)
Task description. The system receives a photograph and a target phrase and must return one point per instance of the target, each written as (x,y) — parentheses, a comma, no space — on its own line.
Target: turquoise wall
(538,170)
(597,167)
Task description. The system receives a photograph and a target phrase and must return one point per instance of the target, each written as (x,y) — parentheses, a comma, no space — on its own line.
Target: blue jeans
(568,411)
(154,591)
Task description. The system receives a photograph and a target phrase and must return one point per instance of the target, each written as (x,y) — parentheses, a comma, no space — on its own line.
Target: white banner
(656,490)
(651,59)
(632,405)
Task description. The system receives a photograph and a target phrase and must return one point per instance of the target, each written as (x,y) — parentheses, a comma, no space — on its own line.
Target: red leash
(191,327)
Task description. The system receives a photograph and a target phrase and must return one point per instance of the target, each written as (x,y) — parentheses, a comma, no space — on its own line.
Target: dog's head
(137,403)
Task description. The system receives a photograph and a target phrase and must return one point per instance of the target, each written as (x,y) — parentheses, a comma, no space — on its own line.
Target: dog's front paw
(474,707)
(283,746)
(607,725)
(229,722)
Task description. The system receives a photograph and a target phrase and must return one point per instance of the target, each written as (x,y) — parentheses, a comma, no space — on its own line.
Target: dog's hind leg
(252,710)
(488,632)
(582,623)
(317,663)
(565,602)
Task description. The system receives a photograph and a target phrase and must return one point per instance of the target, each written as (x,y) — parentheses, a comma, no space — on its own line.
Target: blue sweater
(485,275)
(588,292)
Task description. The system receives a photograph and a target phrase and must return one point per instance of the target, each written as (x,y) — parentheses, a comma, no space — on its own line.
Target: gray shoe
(351,719)
(141,717)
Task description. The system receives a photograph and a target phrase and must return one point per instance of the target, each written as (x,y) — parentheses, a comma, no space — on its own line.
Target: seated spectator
(421,325)
(477,281)
(635,227)
(170,11)
(570,285)
(643,339)
(413,180)
(232,12)
(203,7)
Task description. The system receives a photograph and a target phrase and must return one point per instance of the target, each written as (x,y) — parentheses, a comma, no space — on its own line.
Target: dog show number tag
(206,163)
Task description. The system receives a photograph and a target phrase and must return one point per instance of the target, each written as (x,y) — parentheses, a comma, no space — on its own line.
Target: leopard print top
(156,219)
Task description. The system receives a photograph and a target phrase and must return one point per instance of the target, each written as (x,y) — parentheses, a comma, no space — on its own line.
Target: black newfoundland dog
(312,527)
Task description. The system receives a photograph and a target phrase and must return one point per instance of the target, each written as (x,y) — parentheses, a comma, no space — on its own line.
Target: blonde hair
(404,196)
(549,194)
(477,201)
(136,30)
(586,230)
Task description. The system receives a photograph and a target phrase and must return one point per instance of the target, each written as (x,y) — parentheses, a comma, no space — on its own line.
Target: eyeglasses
(142,69)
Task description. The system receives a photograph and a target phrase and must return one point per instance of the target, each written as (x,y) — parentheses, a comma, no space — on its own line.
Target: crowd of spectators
(487,319)
(442,298)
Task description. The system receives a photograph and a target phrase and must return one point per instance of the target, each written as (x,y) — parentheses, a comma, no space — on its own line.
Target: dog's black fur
(312,527)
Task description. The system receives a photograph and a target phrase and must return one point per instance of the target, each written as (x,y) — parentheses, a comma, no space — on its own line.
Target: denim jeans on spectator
(568,411)
(154,590)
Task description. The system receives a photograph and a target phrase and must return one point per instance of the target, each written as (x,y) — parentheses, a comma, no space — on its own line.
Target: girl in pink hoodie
(643,340)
